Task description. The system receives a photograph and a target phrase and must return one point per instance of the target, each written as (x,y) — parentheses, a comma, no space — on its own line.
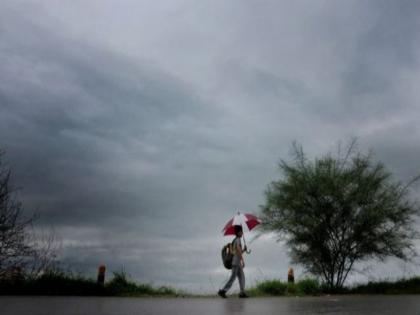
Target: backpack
(227,255)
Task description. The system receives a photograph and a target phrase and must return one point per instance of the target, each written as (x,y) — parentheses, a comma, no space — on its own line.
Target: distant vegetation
(279,288)
(120,285)
(314,287)
(60,283)
(403,286)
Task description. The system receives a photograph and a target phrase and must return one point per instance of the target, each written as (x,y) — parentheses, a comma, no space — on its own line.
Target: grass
(121,285)
(402,286)
(60,283)
(314,287)
(52,283)
(269,287)
(280,288)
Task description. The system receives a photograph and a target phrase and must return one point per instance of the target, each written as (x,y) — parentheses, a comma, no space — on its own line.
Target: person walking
(238,265)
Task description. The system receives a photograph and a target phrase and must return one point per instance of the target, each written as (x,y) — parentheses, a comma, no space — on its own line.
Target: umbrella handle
(248,251)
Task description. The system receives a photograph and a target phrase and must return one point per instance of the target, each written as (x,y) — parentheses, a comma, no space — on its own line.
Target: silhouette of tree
(20,247)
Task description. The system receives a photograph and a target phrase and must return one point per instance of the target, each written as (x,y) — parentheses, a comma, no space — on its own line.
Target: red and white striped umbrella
(243,219)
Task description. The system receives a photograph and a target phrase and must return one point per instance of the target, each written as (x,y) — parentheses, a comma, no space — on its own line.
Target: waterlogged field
(337,305)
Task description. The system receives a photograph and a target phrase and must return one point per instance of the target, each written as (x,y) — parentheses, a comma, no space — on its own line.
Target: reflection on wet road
(337,305)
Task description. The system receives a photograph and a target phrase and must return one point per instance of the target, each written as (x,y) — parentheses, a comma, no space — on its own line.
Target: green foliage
(337,210)
(279,288)
(292,289)
(269,287)
(309,287)
(168,291)
(53,283)
(122,286)
(312,287)
(403,286)
(60,283)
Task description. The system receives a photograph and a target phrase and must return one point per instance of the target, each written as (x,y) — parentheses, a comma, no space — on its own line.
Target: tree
(20,247)
(338,210)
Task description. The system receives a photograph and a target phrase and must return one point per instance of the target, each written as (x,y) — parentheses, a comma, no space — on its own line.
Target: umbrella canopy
(243,219)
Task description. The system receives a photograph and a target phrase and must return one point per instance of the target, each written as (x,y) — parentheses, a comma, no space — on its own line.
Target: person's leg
(233,275)
(241,278)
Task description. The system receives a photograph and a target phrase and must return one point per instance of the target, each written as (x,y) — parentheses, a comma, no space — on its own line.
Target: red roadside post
(101,274)
(290,276)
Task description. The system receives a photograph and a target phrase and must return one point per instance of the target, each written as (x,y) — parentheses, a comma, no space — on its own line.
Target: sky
(137,129)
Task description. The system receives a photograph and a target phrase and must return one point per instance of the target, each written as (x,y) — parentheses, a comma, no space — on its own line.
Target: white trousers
(237,271)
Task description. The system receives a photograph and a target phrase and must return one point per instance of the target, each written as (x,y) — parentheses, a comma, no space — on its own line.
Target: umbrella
(243,219)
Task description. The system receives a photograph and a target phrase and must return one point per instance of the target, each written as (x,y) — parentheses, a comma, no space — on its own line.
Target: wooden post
(290,276)
(101,275)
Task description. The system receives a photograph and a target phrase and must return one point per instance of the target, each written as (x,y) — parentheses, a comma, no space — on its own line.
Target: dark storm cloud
(138,129)
(74,110)
(388,46)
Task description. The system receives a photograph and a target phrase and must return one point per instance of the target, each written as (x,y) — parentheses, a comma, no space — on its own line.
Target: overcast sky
(138,128)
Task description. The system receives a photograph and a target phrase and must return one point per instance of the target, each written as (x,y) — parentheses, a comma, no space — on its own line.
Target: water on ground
(337,305)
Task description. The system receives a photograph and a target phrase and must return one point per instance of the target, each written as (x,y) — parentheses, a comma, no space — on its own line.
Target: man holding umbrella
(234,226)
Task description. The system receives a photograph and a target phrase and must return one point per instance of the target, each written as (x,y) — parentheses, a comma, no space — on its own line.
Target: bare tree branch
(21,248)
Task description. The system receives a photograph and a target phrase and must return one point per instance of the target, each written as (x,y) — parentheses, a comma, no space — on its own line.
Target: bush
(403,286)
(308,287)
(168,291)
(292,289)
(53,283)
(61,283)
(58,283)
(279,288)
(269,287)
(122,286)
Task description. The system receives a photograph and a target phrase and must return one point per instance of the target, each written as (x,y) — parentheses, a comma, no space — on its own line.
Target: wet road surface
(337,305)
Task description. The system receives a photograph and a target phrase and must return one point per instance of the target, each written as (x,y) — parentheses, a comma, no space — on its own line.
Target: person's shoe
(222,294)
(243,295)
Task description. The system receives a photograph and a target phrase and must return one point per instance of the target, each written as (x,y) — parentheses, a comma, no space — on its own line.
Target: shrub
(308,287)
(121,285)
(270,287)
(403,286)
(292,289)
(57,282)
